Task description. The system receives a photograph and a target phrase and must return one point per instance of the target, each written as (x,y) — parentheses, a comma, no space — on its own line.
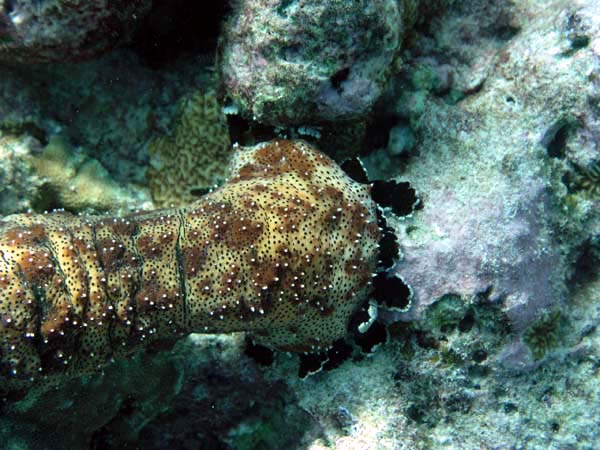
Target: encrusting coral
(194,156)
(284,250)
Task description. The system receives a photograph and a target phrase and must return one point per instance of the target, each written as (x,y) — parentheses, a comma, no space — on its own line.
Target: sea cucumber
(284,250)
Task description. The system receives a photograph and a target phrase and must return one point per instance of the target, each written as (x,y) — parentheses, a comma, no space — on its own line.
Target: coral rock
(308,61)
(18,186)
(498,221)
(73,30)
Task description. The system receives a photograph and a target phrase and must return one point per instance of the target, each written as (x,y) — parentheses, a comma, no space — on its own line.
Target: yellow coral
(194,156)
(78,181)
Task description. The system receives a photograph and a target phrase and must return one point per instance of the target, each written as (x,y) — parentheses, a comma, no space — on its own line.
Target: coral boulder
(308,61)
(74,30)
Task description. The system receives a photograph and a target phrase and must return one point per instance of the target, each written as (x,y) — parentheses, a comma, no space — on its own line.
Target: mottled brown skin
(284,250)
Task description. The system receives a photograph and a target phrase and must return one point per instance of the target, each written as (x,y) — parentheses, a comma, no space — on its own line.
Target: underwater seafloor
(490,110)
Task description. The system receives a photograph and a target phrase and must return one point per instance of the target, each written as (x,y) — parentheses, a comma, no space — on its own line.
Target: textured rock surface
(34,31)
(19,186)
(307,61)
(491,169)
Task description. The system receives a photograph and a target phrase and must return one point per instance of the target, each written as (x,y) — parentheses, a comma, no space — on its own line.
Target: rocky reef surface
(58,30)
(490,110)
(309,61)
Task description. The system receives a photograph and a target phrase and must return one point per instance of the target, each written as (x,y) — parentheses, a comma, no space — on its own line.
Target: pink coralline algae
(307,61)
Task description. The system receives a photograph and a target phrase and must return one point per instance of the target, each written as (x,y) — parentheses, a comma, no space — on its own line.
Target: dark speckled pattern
(284,250)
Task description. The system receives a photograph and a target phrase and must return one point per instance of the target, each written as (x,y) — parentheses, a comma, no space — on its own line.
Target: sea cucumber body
(284,250)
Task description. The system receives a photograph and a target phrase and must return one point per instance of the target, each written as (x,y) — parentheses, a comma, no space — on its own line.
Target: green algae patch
(545,334)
